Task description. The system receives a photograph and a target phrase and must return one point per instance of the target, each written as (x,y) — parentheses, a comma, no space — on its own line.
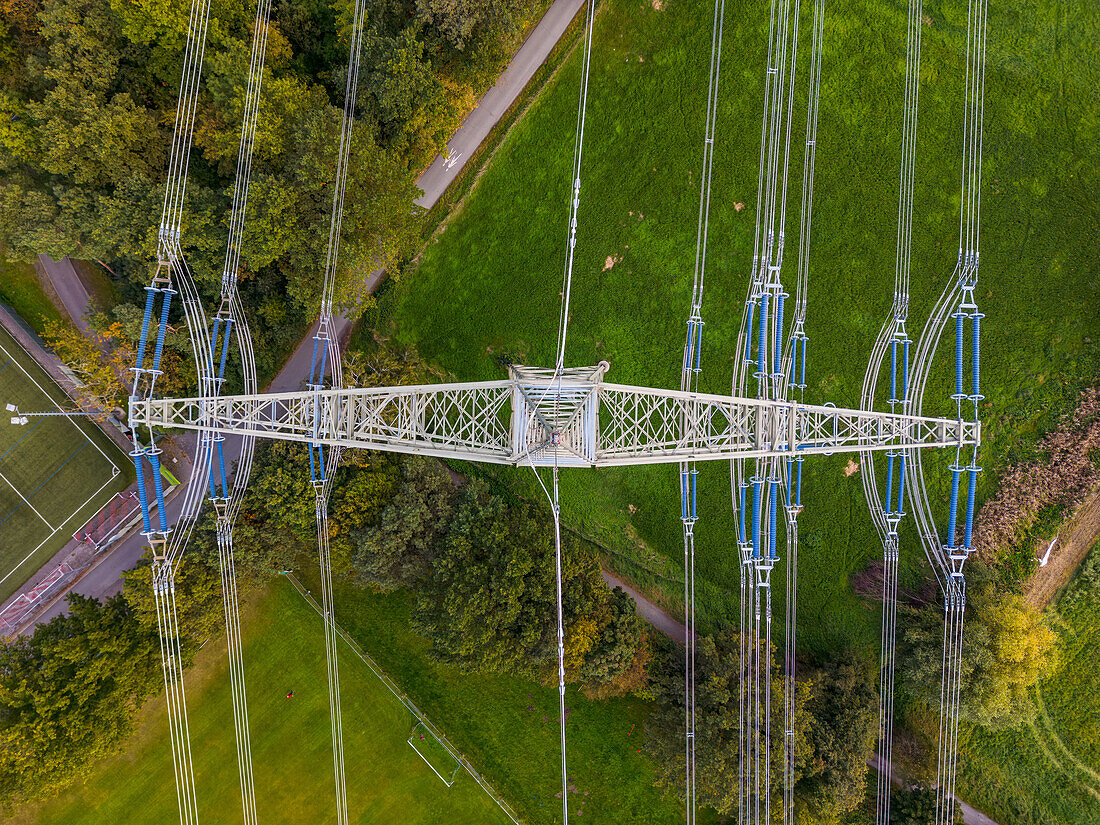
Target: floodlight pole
(22,418)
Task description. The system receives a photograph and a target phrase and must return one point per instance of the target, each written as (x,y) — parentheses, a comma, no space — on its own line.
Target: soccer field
(387,781)
(55,472)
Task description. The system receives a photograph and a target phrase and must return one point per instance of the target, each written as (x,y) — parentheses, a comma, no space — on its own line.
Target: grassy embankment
(20,289)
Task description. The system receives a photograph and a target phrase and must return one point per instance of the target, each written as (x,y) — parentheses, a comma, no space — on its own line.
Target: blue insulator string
(748,333)
(324,361)
(221,468)
(313,362)
(214,339)
(225,349)
(772,521)
(893,374)
(952,518)
(694,488)
(744,490)
(158,485)
(150,296)
(143,496)
(970,494)
(900,511)
(802,369)
(890,483)
(778,359)
(905,368)
(761,348)
(698,348)
(790,480)
(798,489)
(756,505)
(168,293)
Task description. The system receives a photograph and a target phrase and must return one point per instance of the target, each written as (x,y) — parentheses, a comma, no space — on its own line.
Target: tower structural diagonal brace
(594,424)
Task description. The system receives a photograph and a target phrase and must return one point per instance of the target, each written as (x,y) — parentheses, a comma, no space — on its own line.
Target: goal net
(438,756)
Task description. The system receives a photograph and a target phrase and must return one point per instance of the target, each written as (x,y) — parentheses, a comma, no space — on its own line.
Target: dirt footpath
(1075,539)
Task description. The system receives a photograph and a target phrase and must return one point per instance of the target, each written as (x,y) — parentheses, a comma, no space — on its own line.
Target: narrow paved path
(497,100)
(69,288)
(656,616)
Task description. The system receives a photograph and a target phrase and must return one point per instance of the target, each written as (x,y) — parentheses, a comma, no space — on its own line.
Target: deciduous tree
(1006,649)
(101,370)
(68,694)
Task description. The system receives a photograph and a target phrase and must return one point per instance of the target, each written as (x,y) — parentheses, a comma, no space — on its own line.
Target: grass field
(55,473)
(489,284)
(19,287)
(292,749)
(508,727)
(434,753)
(1049,771)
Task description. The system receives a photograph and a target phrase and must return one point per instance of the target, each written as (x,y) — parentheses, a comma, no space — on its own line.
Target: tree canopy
(88,93)
(68,694)
(835,723)
(1006,649)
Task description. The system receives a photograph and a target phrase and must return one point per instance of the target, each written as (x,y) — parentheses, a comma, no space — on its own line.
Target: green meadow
(505,726)
(284,651)
(487,287)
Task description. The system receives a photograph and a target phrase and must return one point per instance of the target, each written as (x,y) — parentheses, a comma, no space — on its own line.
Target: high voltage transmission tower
(562,417)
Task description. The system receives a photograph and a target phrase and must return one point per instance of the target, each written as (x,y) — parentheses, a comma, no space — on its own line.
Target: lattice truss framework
(535,417)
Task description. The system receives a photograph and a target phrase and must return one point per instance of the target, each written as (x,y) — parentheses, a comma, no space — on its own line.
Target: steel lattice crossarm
(534,417)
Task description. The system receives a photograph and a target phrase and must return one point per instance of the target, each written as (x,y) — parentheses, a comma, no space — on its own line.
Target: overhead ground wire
(324,465)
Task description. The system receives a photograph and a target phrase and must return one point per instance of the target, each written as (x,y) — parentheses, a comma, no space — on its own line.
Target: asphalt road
(69,288)
(106,579)
(496,101)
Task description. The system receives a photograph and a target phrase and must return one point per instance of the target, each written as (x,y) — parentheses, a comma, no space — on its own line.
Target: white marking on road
(1046,558)
(451,158)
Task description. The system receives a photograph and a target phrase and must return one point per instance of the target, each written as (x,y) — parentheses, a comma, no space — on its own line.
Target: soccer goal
(438,756)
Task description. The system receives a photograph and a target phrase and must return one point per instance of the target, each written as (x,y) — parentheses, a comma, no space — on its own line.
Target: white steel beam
(574,420)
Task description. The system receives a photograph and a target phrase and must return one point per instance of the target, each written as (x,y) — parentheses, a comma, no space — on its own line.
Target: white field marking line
(430,765)
(5,478)
(24,561)
(51,399)
(376,670)
(56,529)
